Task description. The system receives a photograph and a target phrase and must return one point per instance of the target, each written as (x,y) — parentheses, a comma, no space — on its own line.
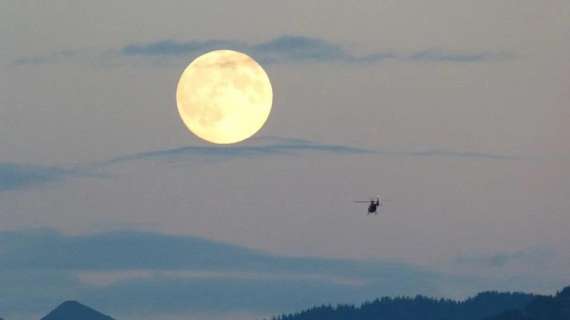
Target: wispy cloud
(55,57)
(134,272)
(129,271)
(501,259)
(171,47)
(289,147)
(457,56)
(450,153)
(261,147)
(19,176)
(136,250)
(296,48)
(282,49)
(300,49)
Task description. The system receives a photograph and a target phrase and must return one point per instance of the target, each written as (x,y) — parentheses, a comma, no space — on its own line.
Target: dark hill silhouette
(73,310)
(541,308)
(483,305)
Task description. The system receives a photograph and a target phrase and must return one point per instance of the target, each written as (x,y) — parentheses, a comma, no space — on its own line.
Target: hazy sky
(454,110)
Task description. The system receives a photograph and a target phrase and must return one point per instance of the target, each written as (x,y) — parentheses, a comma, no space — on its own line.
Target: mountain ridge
(555,307)
(489,305)
(482,305)
(73,310)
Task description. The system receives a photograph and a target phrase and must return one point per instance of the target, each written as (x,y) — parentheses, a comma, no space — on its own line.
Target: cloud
(278,50)
(296,48)
(443,56)
(447,153)
(290,48)
(502,259)
(154,273)
(55,57)
(44,249)
(448,56)
(282,49)
(130,273)
(268,146)
(171,47)
(128,250)
(18,176)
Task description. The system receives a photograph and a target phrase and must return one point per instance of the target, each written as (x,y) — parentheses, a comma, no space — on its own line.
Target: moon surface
(224,96)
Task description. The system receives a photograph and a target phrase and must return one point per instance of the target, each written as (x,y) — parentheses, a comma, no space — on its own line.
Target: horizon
(73,304)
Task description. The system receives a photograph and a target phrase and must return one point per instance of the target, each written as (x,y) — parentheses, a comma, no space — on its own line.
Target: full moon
(224,96)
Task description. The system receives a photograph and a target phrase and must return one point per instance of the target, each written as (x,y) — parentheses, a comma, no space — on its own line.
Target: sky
(455,111)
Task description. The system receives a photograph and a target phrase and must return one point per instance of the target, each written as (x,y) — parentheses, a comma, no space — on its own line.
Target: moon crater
(224,96)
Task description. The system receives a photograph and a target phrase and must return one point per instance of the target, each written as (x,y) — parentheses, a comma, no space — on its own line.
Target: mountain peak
(73,310)
(565,293)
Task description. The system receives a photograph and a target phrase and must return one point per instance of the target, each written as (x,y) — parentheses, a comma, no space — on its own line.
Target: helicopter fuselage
(373,207)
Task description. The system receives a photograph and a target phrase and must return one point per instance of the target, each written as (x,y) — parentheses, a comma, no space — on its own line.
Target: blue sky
(456,111)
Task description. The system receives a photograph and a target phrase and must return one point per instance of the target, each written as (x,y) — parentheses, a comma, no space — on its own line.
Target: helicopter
(375,205)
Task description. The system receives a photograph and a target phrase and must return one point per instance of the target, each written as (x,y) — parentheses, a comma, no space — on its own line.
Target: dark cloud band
(15,176)
(283,49)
